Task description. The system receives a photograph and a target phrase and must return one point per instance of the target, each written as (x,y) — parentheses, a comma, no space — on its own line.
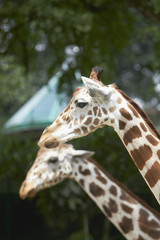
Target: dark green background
(121,36)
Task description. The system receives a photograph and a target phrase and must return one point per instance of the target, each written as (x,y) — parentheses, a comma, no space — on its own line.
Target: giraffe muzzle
(26,191)
(48,142)
(31,193)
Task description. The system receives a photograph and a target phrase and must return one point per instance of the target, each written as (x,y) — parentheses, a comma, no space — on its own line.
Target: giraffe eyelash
(53,160)
(81,104)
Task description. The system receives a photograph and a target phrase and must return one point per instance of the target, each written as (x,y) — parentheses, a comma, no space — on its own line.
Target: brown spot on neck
(126,197)
(131,134)
(122,125)
(135,113)
(158,154)
(84,172)
(81,182)
(152,140)
(126,225)
(99,176)
(113,190)
(150,227)
(111,208)
(107,211)
(96,190)
(101,179)
(141,155)
(140,238)
(112,205)
(143,127)
(126,114)
(153,176)
(126,208)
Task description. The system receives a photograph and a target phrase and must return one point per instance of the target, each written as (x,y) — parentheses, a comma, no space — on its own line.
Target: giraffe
(130,215)
(96,105)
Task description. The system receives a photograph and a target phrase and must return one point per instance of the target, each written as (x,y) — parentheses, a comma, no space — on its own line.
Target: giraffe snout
(27,191)
(48,142)
(51,143)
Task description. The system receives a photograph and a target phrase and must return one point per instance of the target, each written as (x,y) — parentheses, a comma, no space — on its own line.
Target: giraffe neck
(134,219)
(139,137)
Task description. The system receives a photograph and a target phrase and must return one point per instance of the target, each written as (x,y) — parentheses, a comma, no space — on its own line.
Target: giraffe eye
(53,160)
(81,104)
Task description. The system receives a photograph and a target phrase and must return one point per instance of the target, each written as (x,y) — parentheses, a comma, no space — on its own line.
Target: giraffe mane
(140,111)
(125,188)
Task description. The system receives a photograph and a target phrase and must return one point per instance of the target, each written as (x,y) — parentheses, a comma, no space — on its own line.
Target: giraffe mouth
(26,191)
(31,193)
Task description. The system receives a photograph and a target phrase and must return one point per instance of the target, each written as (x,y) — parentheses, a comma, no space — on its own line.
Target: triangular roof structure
(40,111)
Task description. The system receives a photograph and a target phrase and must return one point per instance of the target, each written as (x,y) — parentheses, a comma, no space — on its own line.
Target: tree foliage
(120,36)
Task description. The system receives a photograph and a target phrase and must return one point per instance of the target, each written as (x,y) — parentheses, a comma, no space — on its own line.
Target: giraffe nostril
(51,143)
(31,193)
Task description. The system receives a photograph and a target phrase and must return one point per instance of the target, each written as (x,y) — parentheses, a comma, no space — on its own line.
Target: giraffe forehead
(80,91)
(46,156)
(60,152)
(84,97)
(45,166)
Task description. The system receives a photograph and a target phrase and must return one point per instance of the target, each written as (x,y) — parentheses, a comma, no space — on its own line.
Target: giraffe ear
(95,89)
(83,153)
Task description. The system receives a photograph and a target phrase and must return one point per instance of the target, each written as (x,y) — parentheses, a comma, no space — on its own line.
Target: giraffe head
(87,111)
(51,167)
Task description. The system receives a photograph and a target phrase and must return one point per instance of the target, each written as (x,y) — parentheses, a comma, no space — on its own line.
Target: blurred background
(45,46)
